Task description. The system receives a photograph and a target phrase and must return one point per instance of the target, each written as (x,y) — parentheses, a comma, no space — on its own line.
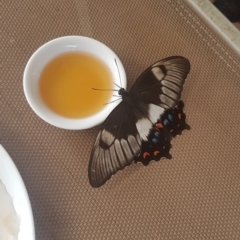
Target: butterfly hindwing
(141,127)
(171,123)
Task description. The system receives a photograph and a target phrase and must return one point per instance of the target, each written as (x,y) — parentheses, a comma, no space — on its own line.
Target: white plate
(14,184)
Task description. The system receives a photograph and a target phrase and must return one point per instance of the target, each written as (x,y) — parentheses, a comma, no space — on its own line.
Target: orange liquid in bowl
(66,85)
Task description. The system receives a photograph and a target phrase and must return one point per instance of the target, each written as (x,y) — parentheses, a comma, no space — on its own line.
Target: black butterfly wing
(116,145)
(162,82)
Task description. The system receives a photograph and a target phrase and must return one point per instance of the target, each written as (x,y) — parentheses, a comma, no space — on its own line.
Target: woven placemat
(193,196)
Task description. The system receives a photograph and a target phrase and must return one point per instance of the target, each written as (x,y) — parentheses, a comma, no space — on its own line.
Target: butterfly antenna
(104,89)
(118,74)
(117,85)
(112,101)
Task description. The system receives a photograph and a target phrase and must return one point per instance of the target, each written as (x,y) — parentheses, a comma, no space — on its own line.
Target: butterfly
(141,126)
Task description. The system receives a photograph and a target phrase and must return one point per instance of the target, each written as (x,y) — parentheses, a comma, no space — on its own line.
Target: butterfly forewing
(162,82)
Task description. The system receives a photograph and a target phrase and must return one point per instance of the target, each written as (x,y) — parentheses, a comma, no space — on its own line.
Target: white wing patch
(170,93)
(155,112)
(158,73)
(127,148)
(144,126)
(167,101)
(107,137)
(135,145)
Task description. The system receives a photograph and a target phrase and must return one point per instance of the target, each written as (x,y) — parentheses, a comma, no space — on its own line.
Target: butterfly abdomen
(172,123)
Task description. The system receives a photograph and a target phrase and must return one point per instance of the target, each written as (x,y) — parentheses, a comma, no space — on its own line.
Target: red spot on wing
(159,126)
(180,116)
(145,154)
(156,153)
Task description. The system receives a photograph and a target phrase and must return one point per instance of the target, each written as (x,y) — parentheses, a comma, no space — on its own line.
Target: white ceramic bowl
(58,46)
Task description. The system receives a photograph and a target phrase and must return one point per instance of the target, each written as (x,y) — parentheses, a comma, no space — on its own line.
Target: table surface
(195,195)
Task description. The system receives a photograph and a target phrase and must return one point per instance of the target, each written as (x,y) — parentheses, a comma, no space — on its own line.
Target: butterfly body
(141,127)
